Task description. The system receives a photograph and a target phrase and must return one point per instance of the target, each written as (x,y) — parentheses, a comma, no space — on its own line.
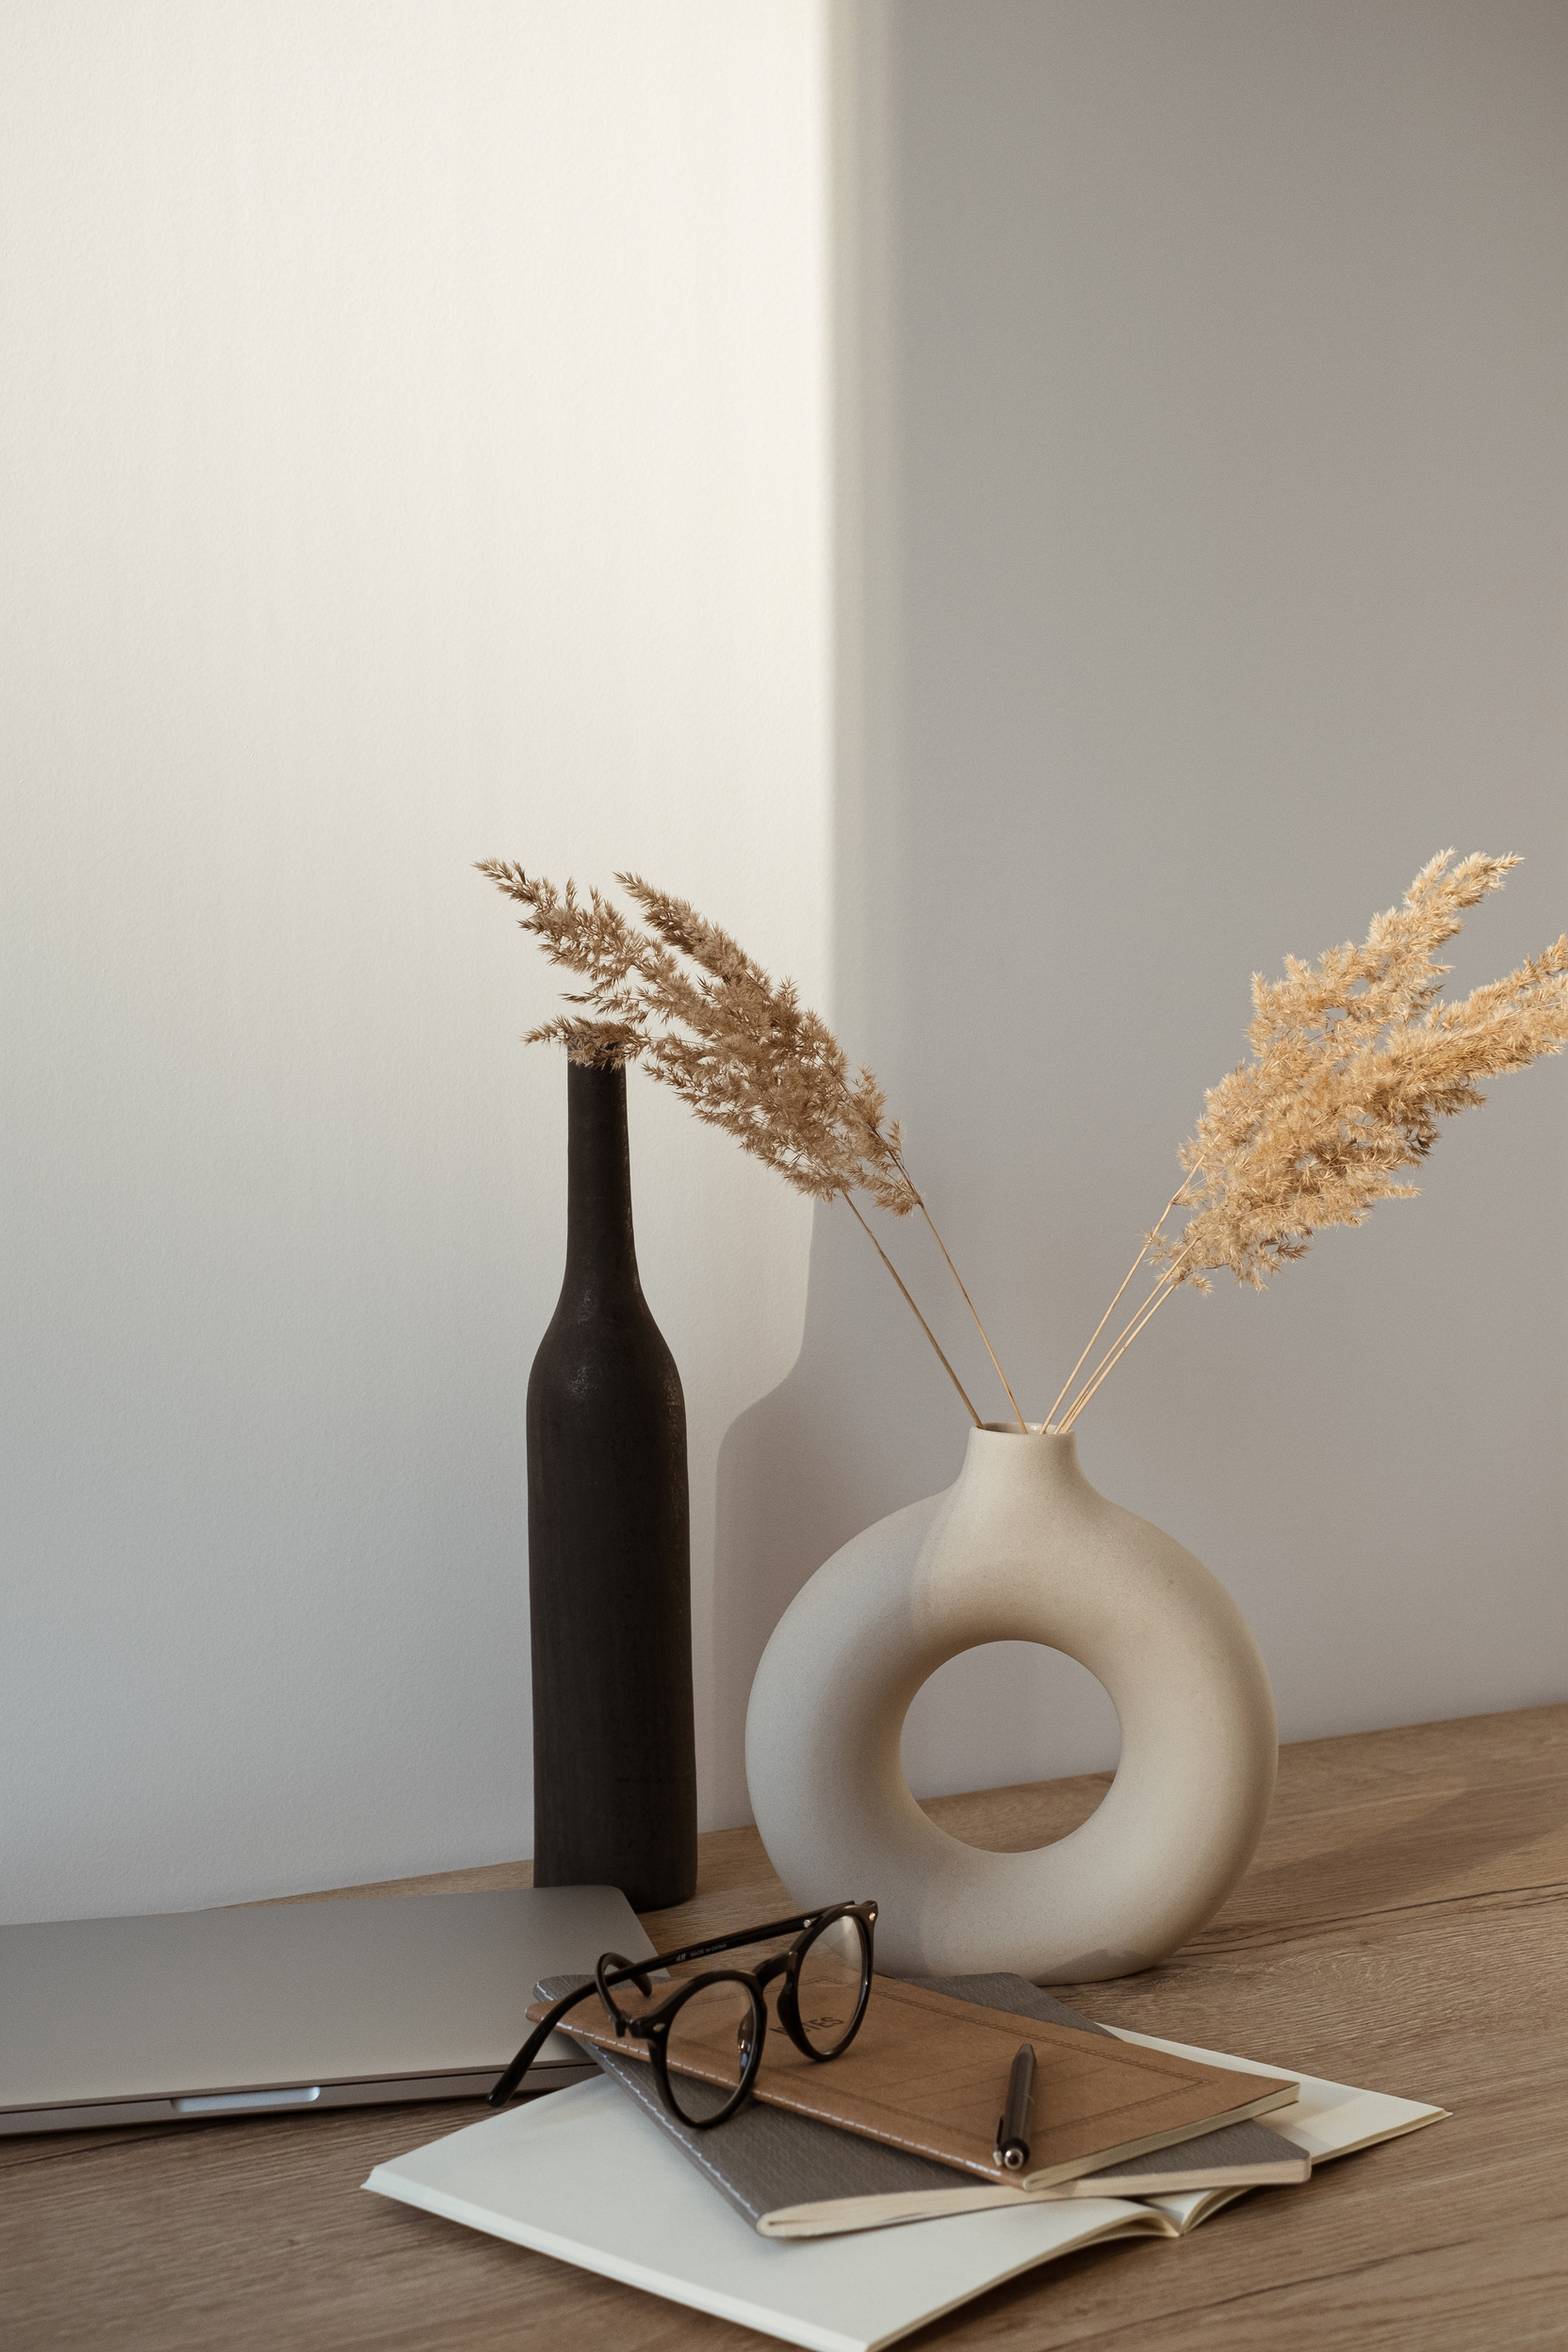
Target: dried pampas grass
(686,1001)
(1355,1059)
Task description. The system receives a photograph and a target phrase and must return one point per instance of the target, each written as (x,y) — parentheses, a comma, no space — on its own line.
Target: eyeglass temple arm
(536,2040)
(535,2044)
(720,1943)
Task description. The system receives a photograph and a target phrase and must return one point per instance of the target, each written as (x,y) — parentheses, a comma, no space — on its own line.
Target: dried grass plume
(1355,1059)
(685,1000)
(740,1050)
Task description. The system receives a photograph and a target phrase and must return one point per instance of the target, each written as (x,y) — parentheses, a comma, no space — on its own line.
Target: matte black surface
(614,1767)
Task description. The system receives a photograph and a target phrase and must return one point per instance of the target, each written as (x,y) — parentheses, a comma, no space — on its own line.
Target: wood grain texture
(1405,1925)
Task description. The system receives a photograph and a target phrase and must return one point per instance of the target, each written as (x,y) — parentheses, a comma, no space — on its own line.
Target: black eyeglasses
(713,2026)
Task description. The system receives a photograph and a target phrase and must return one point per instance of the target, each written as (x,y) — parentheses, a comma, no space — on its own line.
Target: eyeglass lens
(832,1969)
(711,2033)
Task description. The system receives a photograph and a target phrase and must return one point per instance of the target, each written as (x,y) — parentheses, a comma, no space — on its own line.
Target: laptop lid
(289,2006)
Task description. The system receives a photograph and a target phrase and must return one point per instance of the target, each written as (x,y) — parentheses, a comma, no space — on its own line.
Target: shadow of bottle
(863,1422)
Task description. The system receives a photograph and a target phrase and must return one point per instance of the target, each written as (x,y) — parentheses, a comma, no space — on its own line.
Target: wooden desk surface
(1405,1925)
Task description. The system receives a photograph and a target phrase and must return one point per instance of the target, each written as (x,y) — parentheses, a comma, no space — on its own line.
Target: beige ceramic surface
(1020,1549)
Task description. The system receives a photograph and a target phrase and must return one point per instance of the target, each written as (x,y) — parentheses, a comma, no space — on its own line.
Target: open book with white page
(585,2175)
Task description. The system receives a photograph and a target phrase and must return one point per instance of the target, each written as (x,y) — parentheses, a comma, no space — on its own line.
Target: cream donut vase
(1020,1549)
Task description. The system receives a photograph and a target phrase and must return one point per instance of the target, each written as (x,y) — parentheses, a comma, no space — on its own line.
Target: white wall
(420,441)
(1212,574)
(416,428)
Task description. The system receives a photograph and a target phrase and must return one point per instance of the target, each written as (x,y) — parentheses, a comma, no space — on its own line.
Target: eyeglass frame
(611,1969)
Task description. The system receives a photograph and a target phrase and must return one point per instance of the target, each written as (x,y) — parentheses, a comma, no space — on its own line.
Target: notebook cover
(773,2166)
(927,2073)
(582,2177)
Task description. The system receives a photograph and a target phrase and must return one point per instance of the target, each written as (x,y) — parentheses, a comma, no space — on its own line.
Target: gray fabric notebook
(794,2177)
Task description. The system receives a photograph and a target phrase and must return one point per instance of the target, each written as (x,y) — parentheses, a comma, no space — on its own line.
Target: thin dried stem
(1127,1332)
(1148,1244)
(1156,1299)
(1165,1291)
(918,1200)
(915,1311)
(974,1310)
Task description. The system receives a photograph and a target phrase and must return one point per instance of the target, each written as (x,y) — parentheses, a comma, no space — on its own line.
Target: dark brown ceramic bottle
(615,1768)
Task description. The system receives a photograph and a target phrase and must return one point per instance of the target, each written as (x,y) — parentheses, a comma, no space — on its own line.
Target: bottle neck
(600,1252)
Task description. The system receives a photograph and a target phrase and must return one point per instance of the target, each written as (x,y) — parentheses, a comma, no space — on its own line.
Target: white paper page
(1328,2118)
(584,2176)
(1188,2207)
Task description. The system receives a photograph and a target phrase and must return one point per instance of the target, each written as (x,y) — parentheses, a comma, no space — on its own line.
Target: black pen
(1012,2133)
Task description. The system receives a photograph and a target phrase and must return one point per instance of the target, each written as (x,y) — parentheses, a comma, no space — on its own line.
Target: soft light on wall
(427,444)
(421,420)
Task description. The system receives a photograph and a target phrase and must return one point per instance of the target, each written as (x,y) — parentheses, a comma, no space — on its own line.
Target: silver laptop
(289,2006)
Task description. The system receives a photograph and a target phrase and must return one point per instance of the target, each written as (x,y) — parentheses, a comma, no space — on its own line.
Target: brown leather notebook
(929,2074)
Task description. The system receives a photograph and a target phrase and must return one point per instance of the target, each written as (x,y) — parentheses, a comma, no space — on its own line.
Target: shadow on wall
(864,1424)
(798,1475)
(1184,650)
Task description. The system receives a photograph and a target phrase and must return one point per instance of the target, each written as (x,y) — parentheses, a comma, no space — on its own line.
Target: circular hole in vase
(1001,1715)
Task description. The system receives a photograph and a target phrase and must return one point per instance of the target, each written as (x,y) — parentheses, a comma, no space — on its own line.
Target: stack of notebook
(782,2218)
(902,2127)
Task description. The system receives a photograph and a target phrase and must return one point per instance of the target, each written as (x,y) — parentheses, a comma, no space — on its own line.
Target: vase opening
(1005,1714)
